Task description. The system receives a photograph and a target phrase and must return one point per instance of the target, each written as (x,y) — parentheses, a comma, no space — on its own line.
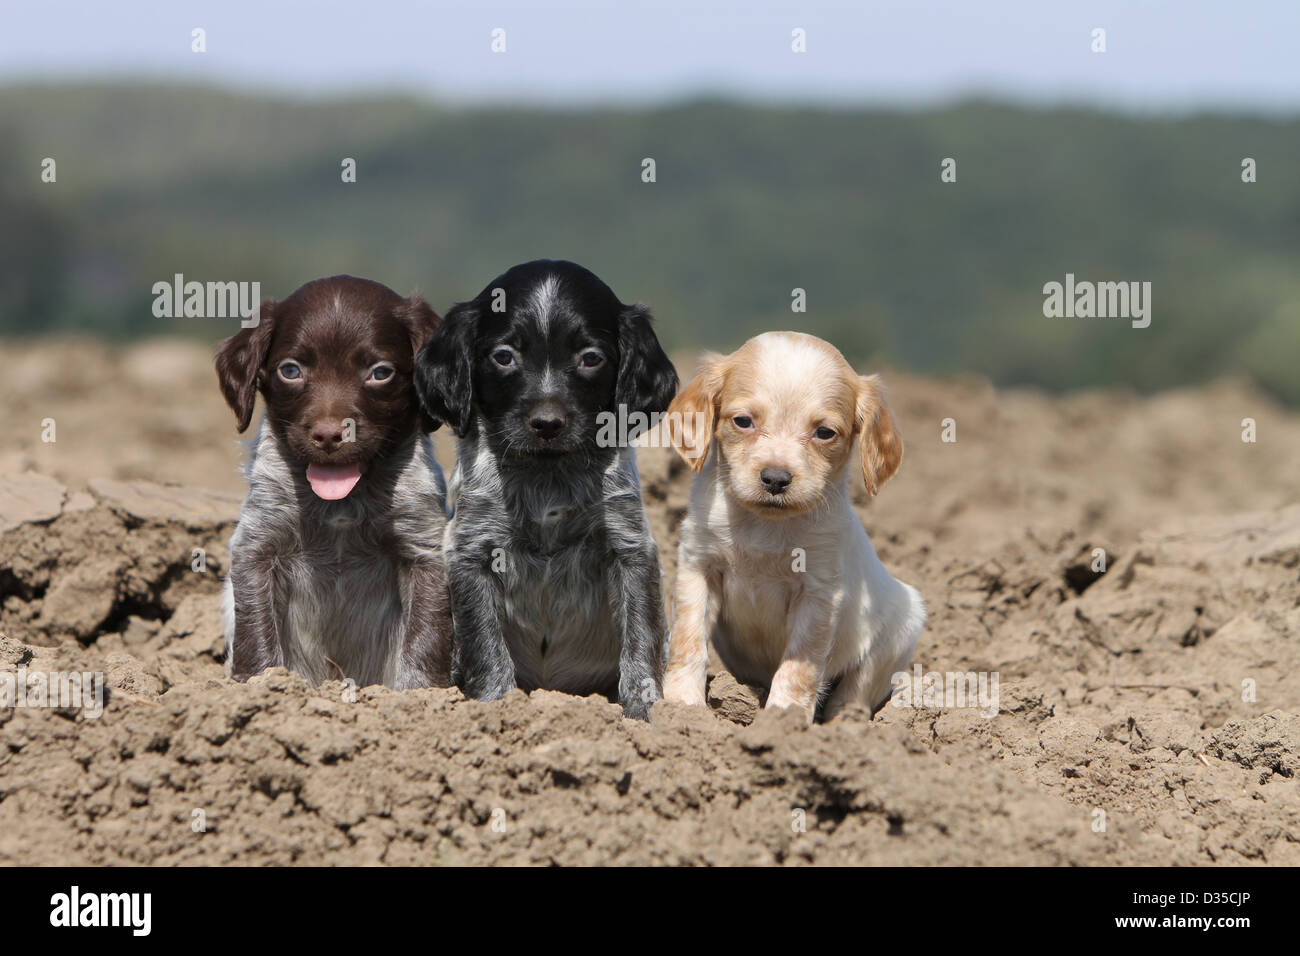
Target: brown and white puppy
(774,566)
(336,563)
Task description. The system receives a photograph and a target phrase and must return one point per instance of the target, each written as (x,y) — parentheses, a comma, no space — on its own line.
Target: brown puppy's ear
(693,414)
(419,319)
(878,437)
(239,363)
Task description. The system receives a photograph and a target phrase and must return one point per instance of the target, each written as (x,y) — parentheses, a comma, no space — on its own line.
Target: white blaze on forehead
(543,300)
(795,373)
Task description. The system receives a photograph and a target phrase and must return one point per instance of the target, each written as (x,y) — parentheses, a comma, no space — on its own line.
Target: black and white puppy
(553,572)
(336,563)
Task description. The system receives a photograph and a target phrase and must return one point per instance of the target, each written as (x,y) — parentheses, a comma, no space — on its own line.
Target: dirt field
(1147,715)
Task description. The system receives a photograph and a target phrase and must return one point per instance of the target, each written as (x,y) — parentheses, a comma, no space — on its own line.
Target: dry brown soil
(1146,715)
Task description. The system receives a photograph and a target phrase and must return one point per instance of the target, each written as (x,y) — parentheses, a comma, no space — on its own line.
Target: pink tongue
(332,482)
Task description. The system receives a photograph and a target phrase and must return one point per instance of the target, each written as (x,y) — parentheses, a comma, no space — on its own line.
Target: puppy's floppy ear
(421,322)
(646,379)
(879,440)
(419,319)
(239,363)
(444,369)
(693,414)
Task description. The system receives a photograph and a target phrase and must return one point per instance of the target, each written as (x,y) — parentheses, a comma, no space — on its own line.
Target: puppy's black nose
(775,480)
(546,422)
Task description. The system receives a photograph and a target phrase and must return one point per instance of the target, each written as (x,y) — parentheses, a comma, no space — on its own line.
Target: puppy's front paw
(683,688)
(637,708)
(779,700)
(488,685)
(637,697)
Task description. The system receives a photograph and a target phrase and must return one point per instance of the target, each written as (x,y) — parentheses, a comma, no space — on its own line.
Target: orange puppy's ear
(880,443)
(693,414)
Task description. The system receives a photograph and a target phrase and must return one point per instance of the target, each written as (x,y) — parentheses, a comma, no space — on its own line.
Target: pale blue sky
(1164,55)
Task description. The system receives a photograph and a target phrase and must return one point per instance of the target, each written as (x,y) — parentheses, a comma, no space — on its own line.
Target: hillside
(750,202)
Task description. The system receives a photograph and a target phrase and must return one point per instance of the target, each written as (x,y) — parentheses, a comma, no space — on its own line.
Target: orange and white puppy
(774,566)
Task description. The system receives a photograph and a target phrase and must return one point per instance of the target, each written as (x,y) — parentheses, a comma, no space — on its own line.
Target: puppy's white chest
(768,567)
(757,594)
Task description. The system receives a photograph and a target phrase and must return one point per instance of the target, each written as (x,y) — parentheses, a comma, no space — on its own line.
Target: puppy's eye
(591,359)
(290,371)
(824,433)
(381,373)
(504,357)
(743,422)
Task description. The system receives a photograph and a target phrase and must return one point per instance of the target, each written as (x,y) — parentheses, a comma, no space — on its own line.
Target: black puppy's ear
(421,322)
(647,381)
(239,363)
(444,369)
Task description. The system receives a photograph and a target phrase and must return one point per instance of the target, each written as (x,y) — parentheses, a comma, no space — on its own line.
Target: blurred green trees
(749,203)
